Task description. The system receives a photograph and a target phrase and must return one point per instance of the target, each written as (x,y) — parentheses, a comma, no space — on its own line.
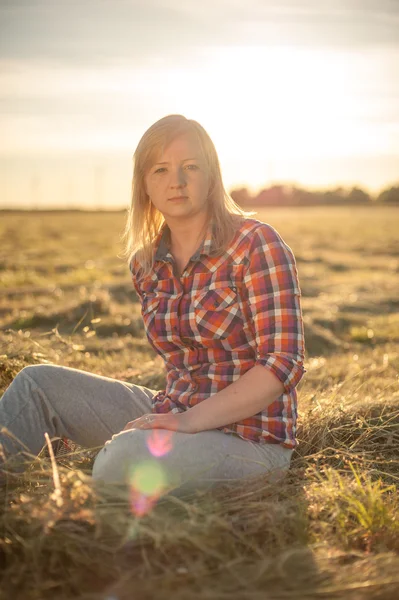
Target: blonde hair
(144,221)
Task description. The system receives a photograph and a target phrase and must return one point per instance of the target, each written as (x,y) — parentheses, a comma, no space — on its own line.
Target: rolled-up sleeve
(271,281)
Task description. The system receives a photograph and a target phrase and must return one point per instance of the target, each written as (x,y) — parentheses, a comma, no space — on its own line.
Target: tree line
(287,195)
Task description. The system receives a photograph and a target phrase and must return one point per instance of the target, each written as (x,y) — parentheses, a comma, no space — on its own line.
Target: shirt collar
(162,252)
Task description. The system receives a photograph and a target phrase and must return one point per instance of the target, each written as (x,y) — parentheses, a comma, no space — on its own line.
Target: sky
(291,92)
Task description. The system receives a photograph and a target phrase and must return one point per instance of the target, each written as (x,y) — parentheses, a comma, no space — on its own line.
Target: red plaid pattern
(223,316)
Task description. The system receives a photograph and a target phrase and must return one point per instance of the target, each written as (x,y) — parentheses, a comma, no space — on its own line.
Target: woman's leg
(188,461)
(64,402)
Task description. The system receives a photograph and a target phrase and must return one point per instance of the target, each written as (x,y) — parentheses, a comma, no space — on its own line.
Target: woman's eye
(162,168)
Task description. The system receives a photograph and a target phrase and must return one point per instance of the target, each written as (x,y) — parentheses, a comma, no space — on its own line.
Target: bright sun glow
(280,101)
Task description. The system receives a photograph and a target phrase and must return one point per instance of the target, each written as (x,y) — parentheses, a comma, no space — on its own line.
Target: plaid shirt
(223,316)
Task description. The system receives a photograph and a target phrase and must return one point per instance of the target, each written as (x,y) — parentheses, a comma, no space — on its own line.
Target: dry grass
(330,530)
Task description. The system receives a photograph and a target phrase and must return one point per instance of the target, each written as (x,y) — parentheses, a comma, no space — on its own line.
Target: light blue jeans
(92,410)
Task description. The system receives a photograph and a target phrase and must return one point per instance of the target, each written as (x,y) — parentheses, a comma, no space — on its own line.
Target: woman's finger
(143,422)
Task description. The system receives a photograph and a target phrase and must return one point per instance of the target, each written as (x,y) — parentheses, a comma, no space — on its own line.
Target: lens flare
(159,442)
(148,477)
(148,480)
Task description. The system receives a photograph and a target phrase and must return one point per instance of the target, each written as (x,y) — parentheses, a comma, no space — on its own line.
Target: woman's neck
(185,238)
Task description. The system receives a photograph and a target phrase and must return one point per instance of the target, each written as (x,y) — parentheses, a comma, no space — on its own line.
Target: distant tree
(389,196)
(358,196)
(303,197)
(275,195)
(335,196)
(242,197)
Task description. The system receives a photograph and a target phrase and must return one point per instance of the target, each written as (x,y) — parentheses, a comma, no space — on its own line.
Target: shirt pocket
(217,313)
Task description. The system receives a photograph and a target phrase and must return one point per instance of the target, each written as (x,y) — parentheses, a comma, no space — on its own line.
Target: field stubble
(331,530)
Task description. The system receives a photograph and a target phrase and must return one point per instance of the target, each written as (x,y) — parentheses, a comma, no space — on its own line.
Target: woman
(220,302)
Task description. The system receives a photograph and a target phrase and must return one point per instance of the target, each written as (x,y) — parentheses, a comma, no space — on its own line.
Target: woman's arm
(250,394)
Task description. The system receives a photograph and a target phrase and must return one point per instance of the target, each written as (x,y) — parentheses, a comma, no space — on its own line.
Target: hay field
(331,530)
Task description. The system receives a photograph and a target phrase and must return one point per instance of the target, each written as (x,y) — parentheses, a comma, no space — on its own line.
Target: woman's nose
(178,177)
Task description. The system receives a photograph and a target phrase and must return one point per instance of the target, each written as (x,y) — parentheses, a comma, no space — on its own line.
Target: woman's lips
(179,198)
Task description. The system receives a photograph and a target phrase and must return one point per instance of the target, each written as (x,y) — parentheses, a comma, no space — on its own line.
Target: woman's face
(179,188)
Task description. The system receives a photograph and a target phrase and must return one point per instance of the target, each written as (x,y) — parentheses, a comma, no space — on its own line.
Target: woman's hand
(172,421)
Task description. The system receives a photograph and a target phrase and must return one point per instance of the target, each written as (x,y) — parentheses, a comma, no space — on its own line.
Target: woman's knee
(38,373)
(22,392)
(21,386)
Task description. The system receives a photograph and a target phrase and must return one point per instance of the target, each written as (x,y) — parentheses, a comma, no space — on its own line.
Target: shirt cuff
(287,370)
